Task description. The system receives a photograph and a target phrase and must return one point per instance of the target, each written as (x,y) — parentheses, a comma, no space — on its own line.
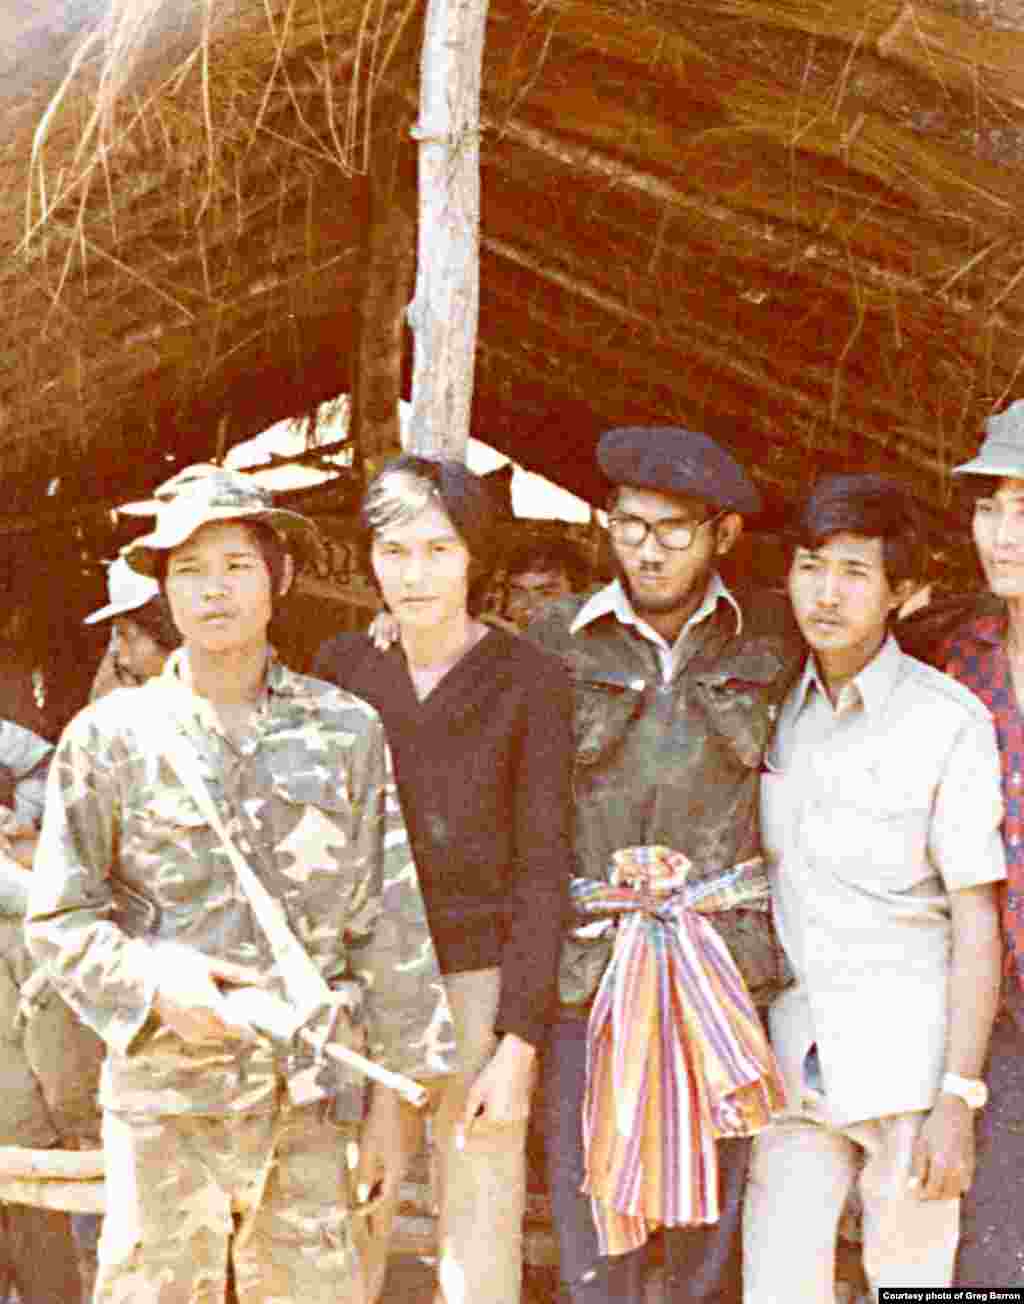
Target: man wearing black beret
(658,1070)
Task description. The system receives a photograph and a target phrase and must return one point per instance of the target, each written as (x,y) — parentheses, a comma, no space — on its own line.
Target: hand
(943,1161)
(17,840)
(383,630)
(388,1138)
(502,1090)
(188,1000)
(19,851)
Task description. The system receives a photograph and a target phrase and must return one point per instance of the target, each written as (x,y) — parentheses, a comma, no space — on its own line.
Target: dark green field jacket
(674,763)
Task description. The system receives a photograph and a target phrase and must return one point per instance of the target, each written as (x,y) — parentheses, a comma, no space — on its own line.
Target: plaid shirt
(976,655)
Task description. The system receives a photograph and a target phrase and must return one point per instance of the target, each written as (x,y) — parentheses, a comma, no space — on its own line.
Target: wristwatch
(972,1090)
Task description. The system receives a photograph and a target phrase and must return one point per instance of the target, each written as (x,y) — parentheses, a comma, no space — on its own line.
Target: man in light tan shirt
(880,820)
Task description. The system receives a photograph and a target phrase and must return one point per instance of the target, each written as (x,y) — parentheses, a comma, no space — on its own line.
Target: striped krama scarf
(676,1054)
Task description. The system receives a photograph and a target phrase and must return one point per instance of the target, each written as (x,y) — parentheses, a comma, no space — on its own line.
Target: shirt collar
(871,687)
(279,682)
(988,629)
(612,600)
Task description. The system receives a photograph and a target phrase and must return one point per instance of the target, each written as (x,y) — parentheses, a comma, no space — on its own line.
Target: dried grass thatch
(792,222)
(185,200)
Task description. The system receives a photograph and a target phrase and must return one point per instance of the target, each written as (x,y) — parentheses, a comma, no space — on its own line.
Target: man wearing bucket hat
(229,822)
(987,654)
(142,633)
(676,681)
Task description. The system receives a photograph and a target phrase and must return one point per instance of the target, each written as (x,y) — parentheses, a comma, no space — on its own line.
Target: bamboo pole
(57,1165)
(53,1193)
(443,313)
(71,1180)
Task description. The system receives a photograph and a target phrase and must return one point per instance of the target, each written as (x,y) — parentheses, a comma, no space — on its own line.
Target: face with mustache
(842,600)
(666,585)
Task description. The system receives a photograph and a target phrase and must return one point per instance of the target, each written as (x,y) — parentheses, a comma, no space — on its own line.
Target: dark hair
(549,555)
(155,618)
(465,501)
(875,506)
(969,488)
(274,551)
(270,544)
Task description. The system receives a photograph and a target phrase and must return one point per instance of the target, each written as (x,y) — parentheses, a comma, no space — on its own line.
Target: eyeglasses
(672,534)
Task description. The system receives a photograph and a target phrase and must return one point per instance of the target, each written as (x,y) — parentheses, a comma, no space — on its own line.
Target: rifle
(310,1001)
(276,1019)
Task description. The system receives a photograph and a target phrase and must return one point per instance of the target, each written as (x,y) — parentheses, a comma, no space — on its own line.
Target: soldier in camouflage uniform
(210,1156)
(49,1066)
(677,680)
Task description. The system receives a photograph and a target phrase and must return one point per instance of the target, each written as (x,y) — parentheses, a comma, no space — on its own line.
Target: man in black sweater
(479,722)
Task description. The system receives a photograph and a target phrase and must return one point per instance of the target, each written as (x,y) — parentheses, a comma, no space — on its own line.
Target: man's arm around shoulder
(551,628)
(336,658)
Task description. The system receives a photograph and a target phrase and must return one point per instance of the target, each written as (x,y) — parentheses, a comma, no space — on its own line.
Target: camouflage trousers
(186,1192)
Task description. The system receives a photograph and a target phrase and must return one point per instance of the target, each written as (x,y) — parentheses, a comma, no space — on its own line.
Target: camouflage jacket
(677,763)
(24,1116)
(24,757)
(50,1062)
(309,799)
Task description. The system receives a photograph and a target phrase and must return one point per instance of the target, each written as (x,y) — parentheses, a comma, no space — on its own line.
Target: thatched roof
(797,224)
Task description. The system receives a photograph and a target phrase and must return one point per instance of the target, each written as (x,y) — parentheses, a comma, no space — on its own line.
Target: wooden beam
(60,1165)
(52,1193)
(385,286)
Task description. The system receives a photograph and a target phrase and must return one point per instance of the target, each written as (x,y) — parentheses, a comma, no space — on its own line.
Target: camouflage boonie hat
(201,494)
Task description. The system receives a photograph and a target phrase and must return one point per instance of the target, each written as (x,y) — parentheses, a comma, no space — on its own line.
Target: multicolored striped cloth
(676,1053)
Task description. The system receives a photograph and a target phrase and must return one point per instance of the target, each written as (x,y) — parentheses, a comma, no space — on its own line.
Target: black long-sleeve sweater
(484,767)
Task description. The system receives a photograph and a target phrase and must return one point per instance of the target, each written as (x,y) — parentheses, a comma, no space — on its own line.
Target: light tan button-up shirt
(872,813)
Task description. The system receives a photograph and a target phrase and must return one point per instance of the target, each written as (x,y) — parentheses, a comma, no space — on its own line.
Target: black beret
(677,461)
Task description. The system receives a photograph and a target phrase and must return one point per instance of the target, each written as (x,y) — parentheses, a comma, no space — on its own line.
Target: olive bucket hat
(202,494)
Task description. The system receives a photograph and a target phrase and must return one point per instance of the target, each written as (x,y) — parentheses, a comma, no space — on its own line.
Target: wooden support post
(443,314)
(387,277)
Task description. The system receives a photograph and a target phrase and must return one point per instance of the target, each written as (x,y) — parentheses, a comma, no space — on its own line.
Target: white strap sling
(306,986)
